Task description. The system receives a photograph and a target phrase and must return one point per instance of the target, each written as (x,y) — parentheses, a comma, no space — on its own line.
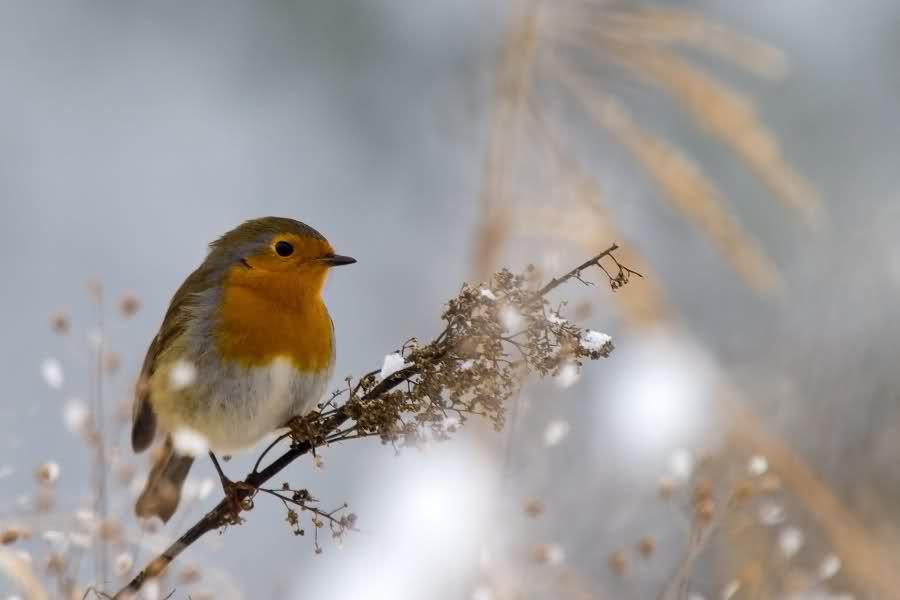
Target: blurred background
(744,154)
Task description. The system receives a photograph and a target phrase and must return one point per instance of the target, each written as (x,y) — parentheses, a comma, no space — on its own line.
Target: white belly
(235,408)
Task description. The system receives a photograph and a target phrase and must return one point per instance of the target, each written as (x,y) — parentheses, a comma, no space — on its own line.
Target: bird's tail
(163,490)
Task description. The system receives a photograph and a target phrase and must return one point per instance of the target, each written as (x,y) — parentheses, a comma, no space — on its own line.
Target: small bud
(617,563)
(549,554)
(646,546)
(129,304)
(124,473)
(703,490)
(534,508)
(59,323)
(665,487)
(110,530)
(56,563)
(8,536)
(95,289)
(188,575)
(47,473)
(111,362)
(705,511)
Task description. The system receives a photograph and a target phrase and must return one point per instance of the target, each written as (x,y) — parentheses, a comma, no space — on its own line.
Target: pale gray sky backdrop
(131,134)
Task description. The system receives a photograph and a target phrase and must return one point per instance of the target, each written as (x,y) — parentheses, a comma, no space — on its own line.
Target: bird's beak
(336,260)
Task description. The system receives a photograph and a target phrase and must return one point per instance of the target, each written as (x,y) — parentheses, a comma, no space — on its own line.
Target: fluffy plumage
(251,325)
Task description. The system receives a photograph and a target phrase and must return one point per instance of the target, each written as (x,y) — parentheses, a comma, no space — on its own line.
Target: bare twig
(576,272)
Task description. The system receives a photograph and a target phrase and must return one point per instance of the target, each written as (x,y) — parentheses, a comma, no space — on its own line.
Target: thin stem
(101,501)
(576,272)
(269,448)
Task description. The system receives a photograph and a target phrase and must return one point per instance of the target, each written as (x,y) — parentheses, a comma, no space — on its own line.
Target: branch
(377,409)
(576,272)
(223,513)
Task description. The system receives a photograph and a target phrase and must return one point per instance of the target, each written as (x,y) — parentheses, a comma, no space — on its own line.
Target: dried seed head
(47,473)
(129,304)
(44,499)
(8,536)
(703,490)
(110,530)
(550,554)
(59,323)
(91,436)
(111,362)
(56,563)
(534,508)
(95,289)
(617,563)
(665,487)
(124,473)
(646,546)
(189,574)
(705,511)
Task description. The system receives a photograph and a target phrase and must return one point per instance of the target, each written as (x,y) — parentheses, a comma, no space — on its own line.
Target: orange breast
(263,316)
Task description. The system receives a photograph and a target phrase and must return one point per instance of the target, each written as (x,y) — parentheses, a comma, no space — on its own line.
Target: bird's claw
(240,498)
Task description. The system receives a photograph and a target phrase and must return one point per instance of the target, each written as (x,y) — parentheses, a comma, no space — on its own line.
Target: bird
(246,344)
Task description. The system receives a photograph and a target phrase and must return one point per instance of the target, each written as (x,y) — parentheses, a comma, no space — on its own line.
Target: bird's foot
(238,494)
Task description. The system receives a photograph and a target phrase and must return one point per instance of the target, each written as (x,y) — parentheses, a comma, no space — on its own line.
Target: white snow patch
(183,374)
(555,432)
(190,442)
(392,363)
(52,372)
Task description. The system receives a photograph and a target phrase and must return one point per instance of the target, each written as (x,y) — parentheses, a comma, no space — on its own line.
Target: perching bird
(245,345)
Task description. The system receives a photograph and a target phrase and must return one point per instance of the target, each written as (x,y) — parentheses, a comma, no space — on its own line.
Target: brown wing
(143,428)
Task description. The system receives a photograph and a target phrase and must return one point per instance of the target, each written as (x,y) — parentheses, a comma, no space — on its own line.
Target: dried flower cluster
(494,336)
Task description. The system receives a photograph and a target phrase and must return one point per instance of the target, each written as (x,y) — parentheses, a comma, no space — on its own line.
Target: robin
(245,345)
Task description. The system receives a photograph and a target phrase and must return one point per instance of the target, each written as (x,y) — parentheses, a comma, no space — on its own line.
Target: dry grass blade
(686,28)
(642,43)
(510,96)
(683,185)
(719,110)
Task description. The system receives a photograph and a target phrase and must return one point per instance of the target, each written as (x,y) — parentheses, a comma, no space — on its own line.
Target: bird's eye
(284,248)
